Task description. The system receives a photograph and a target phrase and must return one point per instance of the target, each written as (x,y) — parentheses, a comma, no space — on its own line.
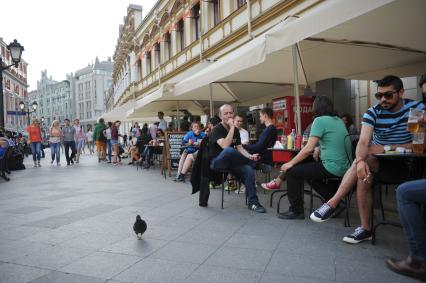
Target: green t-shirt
(335,148)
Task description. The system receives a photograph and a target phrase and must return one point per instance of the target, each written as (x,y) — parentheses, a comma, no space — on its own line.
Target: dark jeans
(35,149)
(411,196)
(69,145)
(296,177)
(241,167)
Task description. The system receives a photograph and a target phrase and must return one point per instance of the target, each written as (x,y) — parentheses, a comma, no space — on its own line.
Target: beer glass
(414,118)
(418,140)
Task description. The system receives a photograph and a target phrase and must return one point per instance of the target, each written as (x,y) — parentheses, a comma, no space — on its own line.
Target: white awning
(363,39)
(119,113)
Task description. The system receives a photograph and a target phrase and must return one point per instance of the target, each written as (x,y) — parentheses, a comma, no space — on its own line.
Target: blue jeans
(240,166)
(35,149)
(109,149)
(55,151)
(411,196)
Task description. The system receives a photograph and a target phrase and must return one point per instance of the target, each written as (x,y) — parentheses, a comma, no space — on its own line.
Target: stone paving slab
(74,224)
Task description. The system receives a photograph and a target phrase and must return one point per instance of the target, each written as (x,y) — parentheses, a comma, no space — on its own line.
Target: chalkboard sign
(172,147)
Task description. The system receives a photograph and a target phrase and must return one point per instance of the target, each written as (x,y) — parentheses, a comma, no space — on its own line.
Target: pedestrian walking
(99,137)
(55,136)
(80,137)
(34,138)
(107,134)
(69,141)
(89,139)
(114,142)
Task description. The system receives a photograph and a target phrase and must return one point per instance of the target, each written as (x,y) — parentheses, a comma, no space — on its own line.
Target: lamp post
(33,105)
(15,51)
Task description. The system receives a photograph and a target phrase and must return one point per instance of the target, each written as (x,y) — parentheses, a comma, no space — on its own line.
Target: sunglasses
(386,95)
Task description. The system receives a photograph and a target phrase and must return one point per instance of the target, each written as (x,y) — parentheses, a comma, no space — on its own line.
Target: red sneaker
(272,185)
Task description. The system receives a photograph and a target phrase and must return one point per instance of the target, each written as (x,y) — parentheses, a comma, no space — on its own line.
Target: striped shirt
(390,127)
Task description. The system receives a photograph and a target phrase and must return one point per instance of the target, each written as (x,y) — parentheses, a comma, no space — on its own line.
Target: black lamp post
(15,52)
(33,105)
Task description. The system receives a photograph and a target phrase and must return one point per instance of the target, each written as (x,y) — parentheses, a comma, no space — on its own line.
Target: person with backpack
(100,139)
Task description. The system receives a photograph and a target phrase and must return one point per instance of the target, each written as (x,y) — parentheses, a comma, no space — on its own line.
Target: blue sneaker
(257,207)
(322,214)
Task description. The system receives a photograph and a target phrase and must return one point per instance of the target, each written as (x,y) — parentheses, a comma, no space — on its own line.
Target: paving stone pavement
(74,224)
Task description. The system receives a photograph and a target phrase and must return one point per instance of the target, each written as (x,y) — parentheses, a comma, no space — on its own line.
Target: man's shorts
(114,142)
(101,146)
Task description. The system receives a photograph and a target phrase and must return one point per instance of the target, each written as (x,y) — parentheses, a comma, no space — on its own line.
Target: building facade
(55,99)
(91,83)
(15,89)
(177,35)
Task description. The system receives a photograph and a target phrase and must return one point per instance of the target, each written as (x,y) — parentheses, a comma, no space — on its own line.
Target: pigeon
(139,227)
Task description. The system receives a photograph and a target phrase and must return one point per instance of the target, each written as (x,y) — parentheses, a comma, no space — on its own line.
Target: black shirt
(185,125)
(219,132)
(266,140)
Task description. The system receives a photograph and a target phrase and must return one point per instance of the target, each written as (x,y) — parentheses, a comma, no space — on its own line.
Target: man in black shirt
(227,153)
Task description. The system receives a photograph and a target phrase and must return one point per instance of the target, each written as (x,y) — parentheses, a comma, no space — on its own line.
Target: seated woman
(329,130)
(266,139)
(133,152)
(143,139)
(349,123)
(192,141)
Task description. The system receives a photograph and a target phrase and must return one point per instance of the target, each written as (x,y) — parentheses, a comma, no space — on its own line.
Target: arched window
(157,55)
(197,20)
(148,62)
(180,28)
(216,11)
(167,46)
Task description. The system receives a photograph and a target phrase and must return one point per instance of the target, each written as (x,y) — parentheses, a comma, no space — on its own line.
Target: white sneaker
(35,164)
(39,165)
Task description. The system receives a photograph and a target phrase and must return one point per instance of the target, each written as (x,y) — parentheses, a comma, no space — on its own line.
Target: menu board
(172,145)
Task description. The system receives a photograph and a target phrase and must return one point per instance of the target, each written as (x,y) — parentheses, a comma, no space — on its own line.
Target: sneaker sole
(317,219)
(353,241)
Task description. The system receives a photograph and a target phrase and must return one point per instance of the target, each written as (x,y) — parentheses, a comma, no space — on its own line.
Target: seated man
(192,141)
(383,124)
(411,196)
(227,153)
(266,139)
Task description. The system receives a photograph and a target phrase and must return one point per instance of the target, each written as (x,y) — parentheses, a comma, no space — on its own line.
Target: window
(197,20)
(148,62)
(167,46)
(240,3)
(157,55)
(180,36)
(216,11)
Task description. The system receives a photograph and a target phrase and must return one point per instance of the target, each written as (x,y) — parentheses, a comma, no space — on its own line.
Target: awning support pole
(211,100)
(177,115)
(296,90)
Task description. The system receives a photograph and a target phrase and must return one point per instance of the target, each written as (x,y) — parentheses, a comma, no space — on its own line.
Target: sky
(64,36)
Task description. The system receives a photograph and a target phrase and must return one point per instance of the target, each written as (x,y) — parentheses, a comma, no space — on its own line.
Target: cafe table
(417,161)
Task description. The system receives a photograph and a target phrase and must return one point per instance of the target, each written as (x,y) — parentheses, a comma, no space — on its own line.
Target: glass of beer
(414,118)
(418,141)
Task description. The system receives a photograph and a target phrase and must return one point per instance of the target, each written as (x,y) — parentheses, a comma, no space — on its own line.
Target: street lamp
(33,105)
(15,51)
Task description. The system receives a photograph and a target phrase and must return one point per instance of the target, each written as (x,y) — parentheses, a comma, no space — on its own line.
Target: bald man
(227,153)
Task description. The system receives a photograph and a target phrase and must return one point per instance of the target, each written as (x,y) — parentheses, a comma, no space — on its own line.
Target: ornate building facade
(55,99)
(177,35)
(91,83)
(14,90)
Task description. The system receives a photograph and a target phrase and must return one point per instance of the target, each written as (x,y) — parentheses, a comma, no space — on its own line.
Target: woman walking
(89,138)
(114,142)
(80,138)
(34,138)
(55,135)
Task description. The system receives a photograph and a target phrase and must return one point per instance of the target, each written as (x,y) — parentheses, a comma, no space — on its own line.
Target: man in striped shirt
(382,124)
